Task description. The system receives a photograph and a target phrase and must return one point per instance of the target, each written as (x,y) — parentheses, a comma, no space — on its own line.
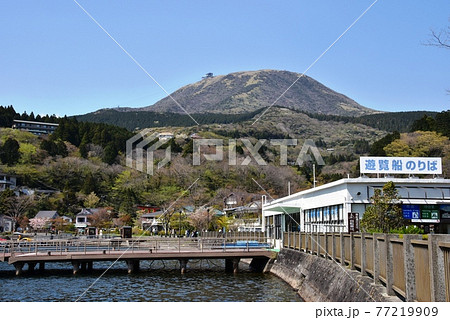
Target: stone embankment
(317,279)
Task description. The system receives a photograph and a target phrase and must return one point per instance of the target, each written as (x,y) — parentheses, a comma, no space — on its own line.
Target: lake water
(157,281)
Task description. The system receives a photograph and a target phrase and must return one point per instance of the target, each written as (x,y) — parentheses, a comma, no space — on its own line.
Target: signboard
(445,211)
(411,211)
(425,220)
(400,165)
(353,222)
(429,211)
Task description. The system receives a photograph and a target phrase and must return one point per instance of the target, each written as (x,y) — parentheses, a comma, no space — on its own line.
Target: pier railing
(149,244)
(414,267)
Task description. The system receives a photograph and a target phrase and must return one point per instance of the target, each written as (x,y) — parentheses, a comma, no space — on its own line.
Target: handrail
(404,264)
(87,246)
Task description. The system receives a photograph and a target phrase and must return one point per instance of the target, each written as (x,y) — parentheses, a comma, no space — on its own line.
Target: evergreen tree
(9,152)
(385,213)
(50,147)
(7,115)
(377,148)
(62,148)
(442,123)
(426,123)
(109,154)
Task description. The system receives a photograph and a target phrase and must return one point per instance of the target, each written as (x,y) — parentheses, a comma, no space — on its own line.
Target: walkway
(82,253)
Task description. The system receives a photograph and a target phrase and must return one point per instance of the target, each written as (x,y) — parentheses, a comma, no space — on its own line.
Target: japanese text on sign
(401,165)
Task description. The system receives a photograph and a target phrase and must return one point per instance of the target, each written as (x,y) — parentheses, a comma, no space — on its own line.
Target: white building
(37,128)
(165,136)
(425,202)
(7,181)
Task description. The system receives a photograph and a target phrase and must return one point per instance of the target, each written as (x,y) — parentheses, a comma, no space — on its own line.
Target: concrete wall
(318,279)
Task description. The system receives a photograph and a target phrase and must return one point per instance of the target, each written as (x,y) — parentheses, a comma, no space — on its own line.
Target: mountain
(248,91)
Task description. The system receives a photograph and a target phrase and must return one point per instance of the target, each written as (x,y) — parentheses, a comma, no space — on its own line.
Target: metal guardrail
(409,266)
(85,246)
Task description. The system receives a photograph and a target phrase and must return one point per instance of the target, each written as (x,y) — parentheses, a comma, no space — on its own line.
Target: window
(278,226)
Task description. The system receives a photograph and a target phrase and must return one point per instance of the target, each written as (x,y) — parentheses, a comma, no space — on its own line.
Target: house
(150,221)
(81,219)
(47,215)
(67,219)
(7,181)
(165,136)
(195,136)
(37,128)
(247,217)
(43,220)
(230,201)
(187,210)
(6,223)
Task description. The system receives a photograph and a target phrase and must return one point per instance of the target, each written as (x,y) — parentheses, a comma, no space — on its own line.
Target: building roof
(36,122)
(155,214)
(47,214)
(87,211)
(367,181)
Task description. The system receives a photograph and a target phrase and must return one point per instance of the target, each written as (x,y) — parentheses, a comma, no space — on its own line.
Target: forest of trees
(81,134)
(8,114)
(439,123)
(390,122)
(147,119)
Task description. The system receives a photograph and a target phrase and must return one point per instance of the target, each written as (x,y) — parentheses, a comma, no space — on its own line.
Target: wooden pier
(83,253)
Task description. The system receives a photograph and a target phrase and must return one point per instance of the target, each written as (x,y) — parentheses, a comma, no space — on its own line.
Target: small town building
(67,219)
(6,223)
(35,127)
(81,219)
(150,221)
(47,215)
(327,208)
(165,136)
(7,181)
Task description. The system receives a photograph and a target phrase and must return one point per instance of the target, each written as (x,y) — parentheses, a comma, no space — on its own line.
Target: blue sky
(55,60)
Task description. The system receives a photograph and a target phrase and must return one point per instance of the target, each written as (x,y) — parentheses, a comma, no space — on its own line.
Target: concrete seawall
(318,279)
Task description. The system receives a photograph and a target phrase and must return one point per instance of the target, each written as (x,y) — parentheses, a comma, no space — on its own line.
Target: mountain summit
(251,90)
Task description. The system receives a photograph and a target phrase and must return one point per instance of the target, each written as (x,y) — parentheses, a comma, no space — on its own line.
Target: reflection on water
(205,280)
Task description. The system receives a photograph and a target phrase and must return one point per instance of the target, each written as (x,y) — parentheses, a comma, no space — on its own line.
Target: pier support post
(76,267)
(232,265)
(83,266)
(133,266)
(31,266)
(90,265)
(41,266)
(183,264)
(19,268)
(258,264)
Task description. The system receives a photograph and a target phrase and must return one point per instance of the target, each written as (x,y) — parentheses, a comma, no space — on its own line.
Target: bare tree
(200,219)
(440,39)
(101,219)
(18,206)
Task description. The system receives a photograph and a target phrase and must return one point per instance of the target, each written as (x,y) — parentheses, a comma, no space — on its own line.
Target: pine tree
(9,152)
(385,213)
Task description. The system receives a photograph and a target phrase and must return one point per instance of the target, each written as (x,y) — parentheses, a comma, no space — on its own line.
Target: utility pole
(314,175)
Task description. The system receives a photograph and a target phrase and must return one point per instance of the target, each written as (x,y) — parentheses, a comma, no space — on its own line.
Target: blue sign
(401,165)
(411,211)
